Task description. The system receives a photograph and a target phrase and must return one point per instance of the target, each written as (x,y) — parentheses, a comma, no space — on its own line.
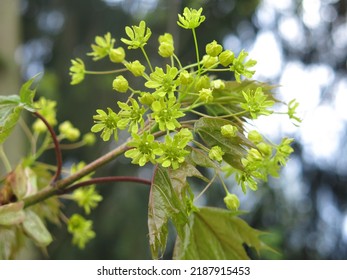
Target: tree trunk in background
(9,70)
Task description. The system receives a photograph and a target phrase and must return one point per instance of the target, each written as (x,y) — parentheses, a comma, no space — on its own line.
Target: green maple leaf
(217,234)
(11,107)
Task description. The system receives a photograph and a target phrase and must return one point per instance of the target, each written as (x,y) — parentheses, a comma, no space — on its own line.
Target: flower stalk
(57,149)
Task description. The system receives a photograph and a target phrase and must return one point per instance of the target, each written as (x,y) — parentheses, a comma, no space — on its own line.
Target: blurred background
(300,45)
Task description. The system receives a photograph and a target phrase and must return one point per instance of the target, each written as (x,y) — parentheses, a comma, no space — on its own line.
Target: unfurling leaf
(35,229)
(18,184)
(12,242)
(10,110)
(164,204)
(27,95)
(11,214)
(217,234)
(11,106)
(234,148)
(230,97)
(179,182)
(179,176)
(17,181)
(201,158)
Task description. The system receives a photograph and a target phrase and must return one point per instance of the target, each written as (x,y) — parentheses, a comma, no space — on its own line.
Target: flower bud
(229,130)
(117,55)
(265,149)
(122,124)
(77,71)
(146,99)
(232,202)
(216,153)
(255,136)
(136,68)
(89,139)
(166,38)
(203,82)
(185,78)
(209,61)
(71,133)
(185,134)
(166,48)
(213,48)
(39,126)
(120,84)
(218,84)
(226,57)
(206,95)
(254,155)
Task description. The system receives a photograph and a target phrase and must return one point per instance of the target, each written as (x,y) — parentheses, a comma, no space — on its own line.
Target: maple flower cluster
(157,118)
(180,118)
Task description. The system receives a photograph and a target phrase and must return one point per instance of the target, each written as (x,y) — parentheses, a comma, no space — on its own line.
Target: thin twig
(207,186)
(108,179)
(57,150)
(64,183)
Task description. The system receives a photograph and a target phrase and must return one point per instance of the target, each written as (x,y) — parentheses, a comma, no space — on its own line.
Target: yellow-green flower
(173,148)
(144,149)
(136,68)
(202,82)
(206,95)
(218,84)
(89,139)
(209,61)
(120,84)
(163,83)
(241,68)
(81,230)
(103,46)
(292,106)
(69,131)
(166,47)
(107,123)
(166,113)
(256,103)
(146,98)
(283,151)
(226,58)
(47,109)
(131,115)
(77,71)
(216,153)
(232,202)
(117,55)
(191,18)
(254,136)
(213,48)
(75,167)
(229,130)
(185,77)
(138,36)
(87,197)
(265,149)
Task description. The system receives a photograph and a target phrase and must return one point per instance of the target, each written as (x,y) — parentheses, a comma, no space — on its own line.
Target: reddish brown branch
(57,150)
(64,183)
